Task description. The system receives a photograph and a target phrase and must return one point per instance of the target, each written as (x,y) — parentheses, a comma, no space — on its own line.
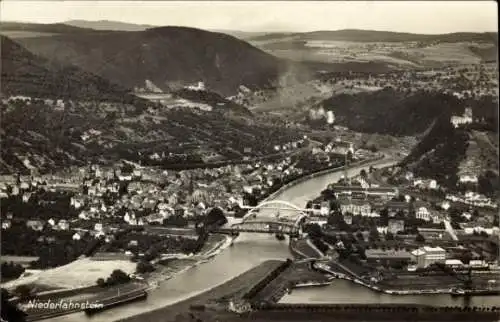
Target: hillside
(107,25)
(439,154)
(29,75)
(22,30)
(212,99)
(445,153)
(391,112)
(399,50)
(486,53)
(101,122)
(357,35)
(165,56)
(38,135)
(56,28)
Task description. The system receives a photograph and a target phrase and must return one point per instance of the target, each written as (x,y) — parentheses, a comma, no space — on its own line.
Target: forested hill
(439,153)
(392,112)
(165,56)
(24,73)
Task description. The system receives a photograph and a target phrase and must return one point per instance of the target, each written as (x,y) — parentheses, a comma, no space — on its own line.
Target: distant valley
(395,50)
(136,89)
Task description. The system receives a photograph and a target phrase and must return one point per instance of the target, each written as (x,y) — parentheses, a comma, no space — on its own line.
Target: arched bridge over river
(280,217)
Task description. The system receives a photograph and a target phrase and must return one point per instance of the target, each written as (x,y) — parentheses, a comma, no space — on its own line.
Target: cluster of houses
(106,198)
(338,148)
(470,198)
(473,199)
(423,257)
(285,147)
(482,80)
(358,200)
(58,104)
(465,118)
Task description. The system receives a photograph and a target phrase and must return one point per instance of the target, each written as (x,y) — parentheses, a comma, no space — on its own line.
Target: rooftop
(338,188)
(372,253)
(347,201)
(429,249)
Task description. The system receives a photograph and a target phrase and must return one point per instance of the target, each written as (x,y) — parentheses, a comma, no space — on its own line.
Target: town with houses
(103,200)
(215,174)
(373,224)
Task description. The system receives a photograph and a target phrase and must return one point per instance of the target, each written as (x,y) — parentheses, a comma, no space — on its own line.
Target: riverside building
(425,256)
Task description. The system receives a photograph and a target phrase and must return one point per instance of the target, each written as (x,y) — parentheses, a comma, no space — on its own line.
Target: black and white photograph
(249,161)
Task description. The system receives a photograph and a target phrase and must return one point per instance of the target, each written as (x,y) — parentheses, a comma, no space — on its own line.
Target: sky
(427,17)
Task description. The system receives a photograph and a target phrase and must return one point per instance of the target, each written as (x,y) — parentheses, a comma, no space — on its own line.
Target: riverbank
(302,249)
(367,312)
(296,275)
(241,285)
(390,291)
(120,294)
(72,301)
(320,173)
(182,263)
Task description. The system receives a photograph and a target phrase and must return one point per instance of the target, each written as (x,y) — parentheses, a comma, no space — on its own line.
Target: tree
(389,236)
(359,236)
(175,221)
(362,252)
(334,204)
(327,194)
(216,216)
(9,311)
(251,199)
(374,234)
(117,277)
(349,155)
(337,220)
(11,270)
(101,282)
(466,257)
(313,230)
(384,217)
(23,291)
(420,238)
(144,267)
(127,168)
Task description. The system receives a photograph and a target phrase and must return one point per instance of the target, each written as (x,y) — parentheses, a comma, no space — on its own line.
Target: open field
(480,155)
(299,95)
(400,54)
(25,34)
(17,259)
(80,273)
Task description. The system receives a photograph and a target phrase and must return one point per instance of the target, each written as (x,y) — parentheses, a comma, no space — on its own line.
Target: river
(342,291)
(249,250)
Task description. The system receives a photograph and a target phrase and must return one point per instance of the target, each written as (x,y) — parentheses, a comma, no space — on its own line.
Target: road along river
(248,251)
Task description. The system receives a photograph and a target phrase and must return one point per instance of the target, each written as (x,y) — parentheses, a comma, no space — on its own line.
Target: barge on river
(116,301)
